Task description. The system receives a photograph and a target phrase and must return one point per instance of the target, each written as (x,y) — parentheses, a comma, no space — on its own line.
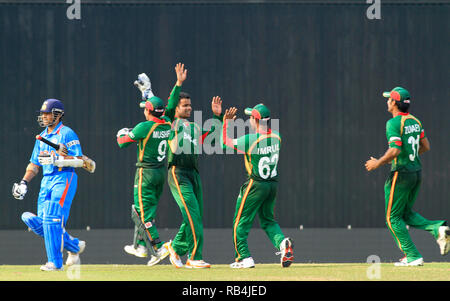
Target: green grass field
(262,272)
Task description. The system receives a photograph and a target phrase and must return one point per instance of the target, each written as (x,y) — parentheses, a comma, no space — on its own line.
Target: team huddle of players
(167,132)
(168,147)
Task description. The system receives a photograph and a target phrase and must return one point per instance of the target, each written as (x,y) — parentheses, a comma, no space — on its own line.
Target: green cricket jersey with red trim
(404,132)
(261,152)
(185,142)
(402,186)
(185,183)
(151,137)
(257,195)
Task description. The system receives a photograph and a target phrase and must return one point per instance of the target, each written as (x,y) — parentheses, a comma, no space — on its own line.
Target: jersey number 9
(162,147)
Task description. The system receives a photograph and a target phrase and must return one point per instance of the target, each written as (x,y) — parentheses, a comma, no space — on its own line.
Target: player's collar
(55,130)
(157,120)
(259,131)
(402,114)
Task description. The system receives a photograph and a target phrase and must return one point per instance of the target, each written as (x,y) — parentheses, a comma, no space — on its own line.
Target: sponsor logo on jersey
(189,138)
(73,142)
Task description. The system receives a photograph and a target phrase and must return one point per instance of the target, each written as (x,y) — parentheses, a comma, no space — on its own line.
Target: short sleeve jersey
(261,153)
(186,140)
(404,132)
(61,134)
(152,136)
(152,139)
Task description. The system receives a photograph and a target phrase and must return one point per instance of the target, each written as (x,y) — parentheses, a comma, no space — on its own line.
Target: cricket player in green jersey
(261,152)
(407,140)
(185,184)
(151,137)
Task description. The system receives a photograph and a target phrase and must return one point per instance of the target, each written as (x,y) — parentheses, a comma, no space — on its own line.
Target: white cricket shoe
(286,252)
(74,258)
(444,239)
(140,251)
(245,263)
(161,253)
(175,260)
(404,262)
(197,264)
(50,267)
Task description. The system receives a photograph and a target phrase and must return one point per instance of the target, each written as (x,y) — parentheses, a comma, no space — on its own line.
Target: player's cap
(260,111)
(155,104)
(50,104)
(398,94)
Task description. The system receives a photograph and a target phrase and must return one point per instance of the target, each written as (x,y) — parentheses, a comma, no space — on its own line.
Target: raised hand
(230,113)
(216,105)
(181,73)
(143,82)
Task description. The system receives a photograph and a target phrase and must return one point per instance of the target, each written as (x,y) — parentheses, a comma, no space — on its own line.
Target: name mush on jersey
(161,134)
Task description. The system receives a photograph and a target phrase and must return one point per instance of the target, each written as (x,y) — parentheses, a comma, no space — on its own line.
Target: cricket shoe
(245,263)
(444,239)
(161,253)
(197,264)
(286,252)
(74,258)
(404,262)
(175,260)
(50,267)
(140,251)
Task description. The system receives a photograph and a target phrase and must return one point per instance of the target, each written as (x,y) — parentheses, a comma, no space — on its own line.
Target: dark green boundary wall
(320,66)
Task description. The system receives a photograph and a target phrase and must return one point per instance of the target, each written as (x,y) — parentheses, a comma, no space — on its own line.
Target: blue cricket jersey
(61,134)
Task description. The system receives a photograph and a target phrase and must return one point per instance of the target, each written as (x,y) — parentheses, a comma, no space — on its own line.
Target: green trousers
(186,188)
(255,197)
(148,186)
(401,189)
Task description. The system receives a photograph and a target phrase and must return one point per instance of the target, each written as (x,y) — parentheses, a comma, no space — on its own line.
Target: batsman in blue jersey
(58,187)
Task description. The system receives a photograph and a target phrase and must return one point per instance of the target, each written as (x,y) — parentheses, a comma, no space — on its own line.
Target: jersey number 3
(415,147)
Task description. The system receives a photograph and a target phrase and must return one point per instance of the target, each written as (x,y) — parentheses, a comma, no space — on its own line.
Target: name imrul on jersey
(268,149)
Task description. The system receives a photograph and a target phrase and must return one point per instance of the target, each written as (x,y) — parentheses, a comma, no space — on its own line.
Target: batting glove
(19,190)
(123,132)
(46,159)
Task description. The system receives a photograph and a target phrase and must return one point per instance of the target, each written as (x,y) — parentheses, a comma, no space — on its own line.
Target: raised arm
(174,98)
(240,144)
(216,108)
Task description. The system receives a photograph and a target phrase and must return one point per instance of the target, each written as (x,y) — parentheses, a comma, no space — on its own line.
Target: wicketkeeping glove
(19,190)
(144,85)
(123,132)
